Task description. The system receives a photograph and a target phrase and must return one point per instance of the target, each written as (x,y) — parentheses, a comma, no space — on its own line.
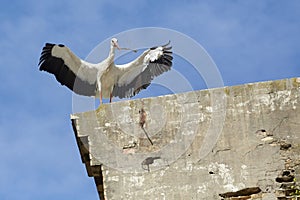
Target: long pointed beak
(117,45)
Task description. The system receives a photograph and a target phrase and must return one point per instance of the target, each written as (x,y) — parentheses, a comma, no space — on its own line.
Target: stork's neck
(111,54)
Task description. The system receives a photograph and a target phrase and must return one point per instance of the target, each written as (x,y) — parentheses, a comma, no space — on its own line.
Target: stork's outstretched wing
(138,74)
(78,75)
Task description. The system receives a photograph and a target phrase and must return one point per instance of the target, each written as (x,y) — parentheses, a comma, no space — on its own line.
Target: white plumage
(105,79)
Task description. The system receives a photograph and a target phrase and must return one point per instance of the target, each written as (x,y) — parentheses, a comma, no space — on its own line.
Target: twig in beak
(134,50)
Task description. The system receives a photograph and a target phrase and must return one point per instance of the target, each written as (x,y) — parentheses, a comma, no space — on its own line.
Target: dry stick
(123,48)
(147,135)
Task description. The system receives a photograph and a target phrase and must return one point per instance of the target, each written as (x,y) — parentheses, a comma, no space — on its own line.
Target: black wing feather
(63,74)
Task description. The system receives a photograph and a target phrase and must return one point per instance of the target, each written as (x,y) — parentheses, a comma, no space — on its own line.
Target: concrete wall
(240,142)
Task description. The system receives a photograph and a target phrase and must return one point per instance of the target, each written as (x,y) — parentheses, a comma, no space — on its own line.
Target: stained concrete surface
(205,144)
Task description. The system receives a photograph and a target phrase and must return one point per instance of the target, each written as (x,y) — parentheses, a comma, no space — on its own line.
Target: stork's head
(114,43)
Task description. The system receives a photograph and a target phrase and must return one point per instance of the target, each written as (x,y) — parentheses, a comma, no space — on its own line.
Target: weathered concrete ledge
(240,142)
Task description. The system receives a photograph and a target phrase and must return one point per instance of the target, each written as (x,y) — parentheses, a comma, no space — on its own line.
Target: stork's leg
(110,97)
(100,97)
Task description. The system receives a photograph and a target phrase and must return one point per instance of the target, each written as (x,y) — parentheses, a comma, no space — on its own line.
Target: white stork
(105,79)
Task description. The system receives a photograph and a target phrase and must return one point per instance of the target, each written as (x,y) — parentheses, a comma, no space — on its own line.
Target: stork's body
(105,79)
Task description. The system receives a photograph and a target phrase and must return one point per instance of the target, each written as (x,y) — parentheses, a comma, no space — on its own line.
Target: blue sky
(249,41)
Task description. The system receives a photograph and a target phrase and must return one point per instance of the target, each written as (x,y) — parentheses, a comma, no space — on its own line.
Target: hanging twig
(142,123)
